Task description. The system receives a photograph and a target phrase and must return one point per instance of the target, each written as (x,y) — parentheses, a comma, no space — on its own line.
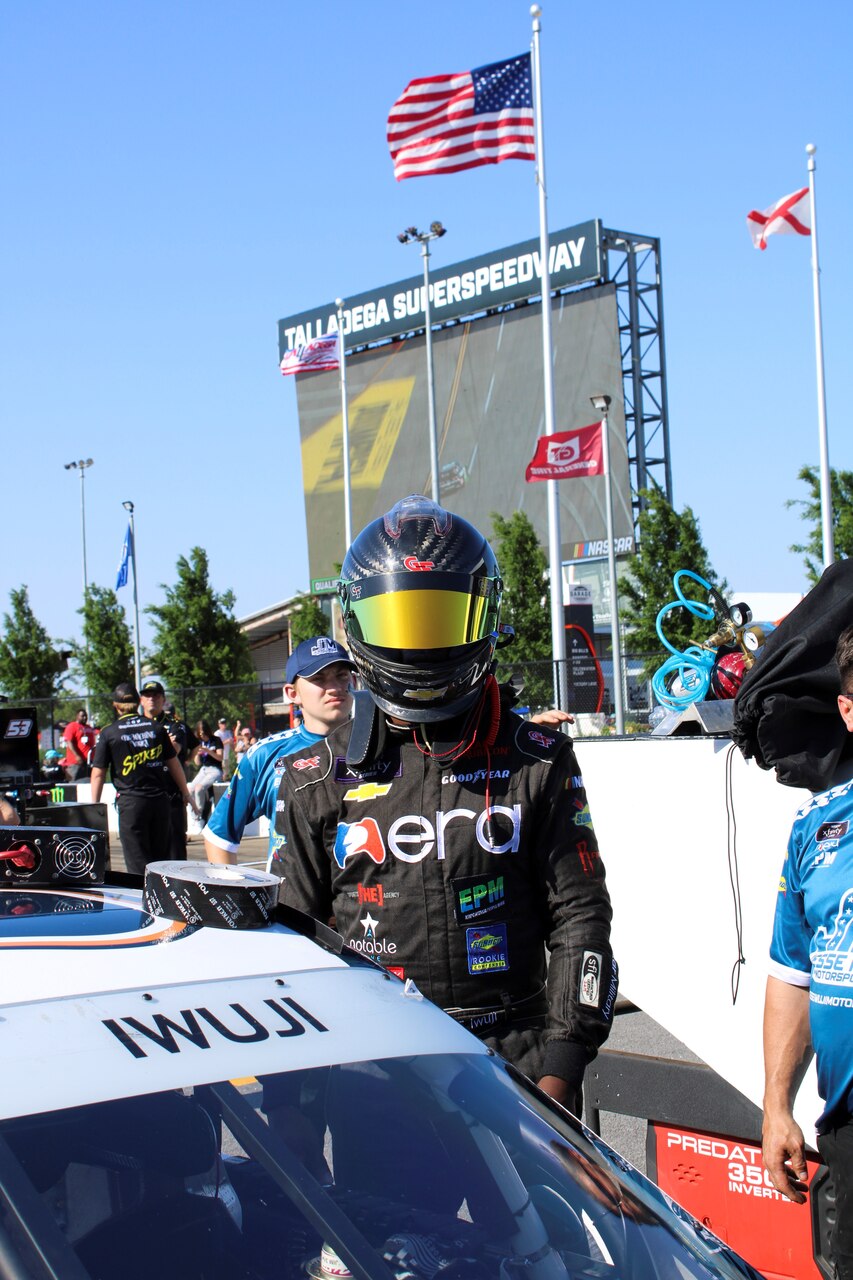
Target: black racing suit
(460,898)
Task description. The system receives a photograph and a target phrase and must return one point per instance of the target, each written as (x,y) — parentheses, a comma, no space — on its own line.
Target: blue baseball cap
(313,655)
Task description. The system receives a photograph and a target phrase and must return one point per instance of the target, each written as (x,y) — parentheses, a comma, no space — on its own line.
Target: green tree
(669,540)
(526,605)
(308,621)
(841,498)
(104,656)
(30,662)
(197,639)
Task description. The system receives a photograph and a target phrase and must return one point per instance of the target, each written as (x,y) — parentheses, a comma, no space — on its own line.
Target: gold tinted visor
(422,619)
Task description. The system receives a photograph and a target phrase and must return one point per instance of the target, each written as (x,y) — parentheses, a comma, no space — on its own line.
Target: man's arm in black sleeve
(582,974)
(306,863)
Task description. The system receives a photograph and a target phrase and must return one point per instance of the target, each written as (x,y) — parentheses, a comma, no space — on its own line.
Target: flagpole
(602,404)
(339,303)
(555,556)
(137,665)
(825,480)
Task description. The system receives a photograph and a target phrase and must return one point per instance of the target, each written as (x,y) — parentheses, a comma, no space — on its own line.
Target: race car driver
(316,680)
(451,839)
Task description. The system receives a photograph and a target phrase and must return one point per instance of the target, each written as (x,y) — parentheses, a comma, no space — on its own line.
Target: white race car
(198,1083)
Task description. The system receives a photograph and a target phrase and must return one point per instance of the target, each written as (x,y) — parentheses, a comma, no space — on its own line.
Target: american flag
(441,124)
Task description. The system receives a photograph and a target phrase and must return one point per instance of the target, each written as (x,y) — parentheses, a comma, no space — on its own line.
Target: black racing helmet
(421,596)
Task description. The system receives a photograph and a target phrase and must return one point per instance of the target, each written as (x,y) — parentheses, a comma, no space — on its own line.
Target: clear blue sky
(179,176)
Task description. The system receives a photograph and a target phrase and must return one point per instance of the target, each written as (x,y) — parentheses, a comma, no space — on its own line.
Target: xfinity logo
(413,837)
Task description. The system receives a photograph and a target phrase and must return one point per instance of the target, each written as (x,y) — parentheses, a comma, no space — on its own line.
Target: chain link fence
(585,689)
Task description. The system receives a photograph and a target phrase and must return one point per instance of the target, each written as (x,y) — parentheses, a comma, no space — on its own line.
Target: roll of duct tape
(226,897)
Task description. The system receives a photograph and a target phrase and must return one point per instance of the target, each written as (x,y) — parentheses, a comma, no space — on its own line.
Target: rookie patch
(590,983)
(487,949)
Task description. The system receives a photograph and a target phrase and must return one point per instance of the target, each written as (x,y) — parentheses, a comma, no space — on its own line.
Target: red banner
(568,455)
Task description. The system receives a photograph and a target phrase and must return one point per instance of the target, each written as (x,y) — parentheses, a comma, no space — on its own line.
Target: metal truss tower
(632,264)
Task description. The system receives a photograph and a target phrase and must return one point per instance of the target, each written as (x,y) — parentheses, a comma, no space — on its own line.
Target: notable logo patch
(487,949)
(356,838)
(309,762)
(370,944)
(345,773)
(418,566)
(477,898)
(589,991)
(368,791)
(831,831)
(542,738)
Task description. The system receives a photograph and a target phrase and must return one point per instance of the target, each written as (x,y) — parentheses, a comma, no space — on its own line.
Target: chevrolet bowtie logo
(368,791)
(424,695)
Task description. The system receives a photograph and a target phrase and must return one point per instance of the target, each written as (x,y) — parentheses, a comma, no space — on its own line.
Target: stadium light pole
(409,236)
(81,465)
(137,663)
(601,404)
(339,306)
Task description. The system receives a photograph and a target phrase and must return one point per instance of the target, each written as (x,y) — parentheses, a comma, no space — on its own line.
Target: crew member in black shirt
(152,697)
(135,750)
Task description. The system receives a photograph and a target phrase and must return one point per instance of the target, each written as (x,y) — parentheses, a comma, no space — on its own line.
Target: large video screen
(489,414)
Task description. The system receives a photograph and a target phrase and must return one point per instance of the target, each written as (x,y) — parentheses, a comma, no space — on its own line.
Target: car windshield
(443,1165)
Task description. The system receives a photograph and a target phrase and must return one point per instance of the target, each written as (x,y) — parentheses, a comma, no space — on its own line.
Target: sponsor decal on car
(202,1027)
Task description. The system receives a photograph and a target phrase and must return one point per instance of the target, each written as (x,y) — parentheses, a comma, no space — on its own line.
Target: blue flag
(126,553)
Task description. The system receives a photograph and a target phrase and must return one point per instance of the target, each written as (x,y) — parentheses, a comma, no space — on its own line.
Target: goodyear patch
(487,949)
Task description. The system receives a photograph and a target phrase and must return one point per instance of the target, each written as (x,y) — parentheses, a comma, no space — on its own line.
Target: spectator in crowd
(449,838)
(244,737)
(317,680)
(79,739)
(139,757)
(152,699)
(226,737)
(807,1005)
(207,757)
